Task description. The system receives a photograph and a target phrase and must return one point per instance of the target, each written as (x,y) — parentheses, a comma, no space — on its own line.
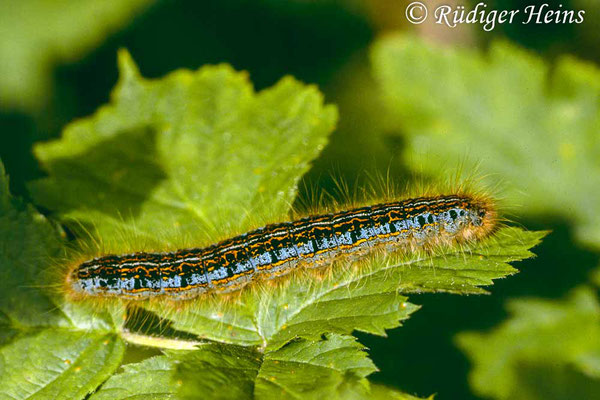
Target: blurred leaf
(150,379)
(587,39)
(57,364)
(363,296)
(554,382)
(332,368)
(358,148)
(546,350)
(595,276)
(193,154)
(37,34)
(504,113)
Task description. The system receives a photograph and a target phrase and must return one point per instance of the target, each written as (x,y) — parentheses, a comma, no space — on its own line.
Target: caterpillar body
(280,248)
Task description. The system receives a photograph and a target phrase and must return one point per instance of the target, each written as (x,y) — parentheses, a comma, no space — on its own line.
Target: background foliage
(142,188)
(537,92)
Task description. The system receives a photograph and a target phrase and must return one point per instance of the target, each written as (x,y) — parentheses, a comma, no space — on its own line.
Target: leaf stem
(163,343)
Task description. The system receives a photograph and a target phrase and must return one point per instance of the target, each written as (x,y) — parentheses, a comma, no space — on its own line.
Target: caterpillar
(277,249)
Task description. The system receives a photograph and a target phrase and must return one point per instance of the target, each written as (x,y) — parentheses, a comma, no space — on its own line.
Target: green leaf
(30,251)
(548,349)
(504,113)
(57,364)
(39,358)
(27,241)
(150,379)
(36,35)
(385,393)
(364,296)
(331,368)
(199,154)
(224,371)
(190,155)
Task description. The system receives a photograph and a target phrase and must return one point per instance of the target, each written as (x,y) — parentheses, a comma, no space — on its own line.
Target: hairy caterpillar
(280,248)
